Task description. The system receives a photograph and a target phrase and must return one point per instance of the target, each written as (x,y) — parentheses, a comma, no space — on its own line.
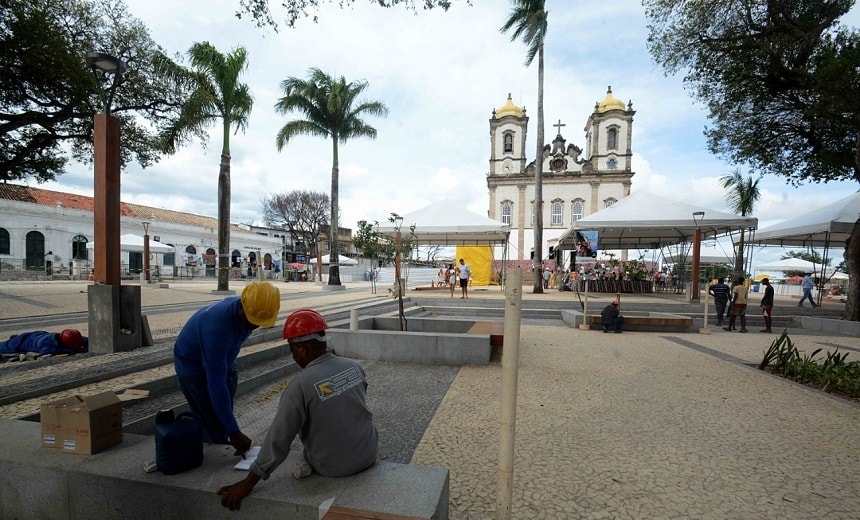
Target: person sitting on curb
(325,405)
(610,317)
(69,341)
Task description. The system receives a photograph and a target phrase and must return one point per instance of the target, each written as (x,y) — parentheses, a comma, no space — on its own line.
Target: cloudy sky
(441,74)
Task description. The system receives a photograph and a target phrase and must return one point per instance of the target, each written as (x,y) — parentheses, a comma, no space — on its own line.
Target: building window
(79,247)
(532,221)
(506,214)
(609,202)
(5,244)
(612,139)
(168,259)
(576,211)
(612,164)
(556,213)
(509,142)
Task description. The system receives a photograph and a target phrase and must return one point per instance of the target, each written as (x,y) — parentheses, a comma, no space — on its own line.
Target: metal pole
(508,415)
(697,252)
(398,237)
(585,325)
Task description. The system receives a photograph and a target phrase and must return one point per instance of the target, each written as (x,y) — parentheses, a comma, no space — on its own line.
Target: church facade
(576,181)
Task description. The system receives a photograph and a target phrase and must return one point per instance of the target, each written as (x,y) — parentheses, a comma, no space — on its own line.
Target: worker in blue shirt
(204,357)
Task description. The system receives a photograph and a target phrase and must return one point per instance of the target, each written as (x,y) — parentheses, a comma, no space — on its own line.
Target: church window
(5,245)
(556,213)
(577,211)
(79,247)
(532,222)
(612,164)
(509,142)
(506,214)
(609,202)
(612,139)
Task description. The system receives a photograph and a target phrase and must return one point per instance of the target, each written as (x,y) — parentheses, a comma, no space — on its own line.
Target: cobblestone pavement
(630,426)
(640,426)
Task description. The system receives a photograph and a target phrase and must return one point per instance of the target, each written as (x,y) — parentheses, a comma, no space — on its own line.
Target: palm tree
(216,93)
(742,197)
(528,19)
(331,110)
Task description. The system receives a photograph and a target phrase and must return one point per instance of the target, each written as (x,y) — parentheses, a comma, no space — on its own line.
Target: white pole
(705,329)
(353,319)
(510,367)
(585,325)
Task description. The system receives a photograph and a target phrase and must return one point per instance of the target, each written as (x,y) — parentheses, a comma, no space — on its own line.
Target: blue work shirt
(208,346)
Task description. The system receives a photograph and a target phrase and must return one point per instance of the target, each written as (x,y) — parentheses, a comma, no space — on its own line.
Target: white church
(576,181)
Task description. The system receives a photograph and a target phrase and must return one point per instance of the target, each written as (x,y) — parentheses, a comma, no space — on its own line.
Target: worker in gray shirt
(325,404)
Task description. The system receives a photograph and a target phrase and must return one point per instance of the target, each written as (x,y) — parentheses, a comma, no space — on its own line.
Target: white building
(39,226)
(576,182)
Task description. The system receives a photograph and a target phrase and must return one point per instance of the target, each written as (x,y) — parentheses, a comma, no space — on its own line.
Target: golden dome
(509,109)
(610,102)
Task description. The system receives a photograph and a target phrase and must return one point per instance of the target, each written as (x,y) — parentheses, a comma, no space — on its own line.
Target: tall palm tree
(528,19)
(742,197)
(216,94)
(331,110)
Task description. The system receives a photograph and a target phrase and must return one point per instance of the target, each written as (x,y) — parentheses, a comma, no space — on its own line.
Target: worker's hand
(232,495)
(240,441)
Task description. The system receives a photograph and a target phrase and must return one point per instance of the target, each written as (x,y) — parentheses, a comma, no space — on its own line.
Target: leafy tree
(48,94)
(528,21)
(217,94)
(779,78)
(742,197)
(303,213)
(259,10)
(331,109)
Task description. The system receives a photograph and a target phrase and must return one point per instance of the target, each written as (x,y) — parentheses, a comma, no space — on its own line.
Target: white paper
(250,457)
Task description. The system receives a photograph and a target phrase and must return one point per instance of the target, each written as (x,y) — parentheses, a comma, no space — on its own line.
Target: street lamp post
(697,251)
(112,307)
(146,275)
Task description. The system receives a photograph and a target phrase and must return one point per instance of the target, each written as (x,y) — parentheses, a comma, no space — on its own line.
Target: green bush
(834,375)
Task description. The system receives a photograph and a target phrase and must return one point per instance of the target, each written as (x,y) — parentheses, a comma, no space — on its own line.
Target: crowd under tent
(647,221)
(446,223)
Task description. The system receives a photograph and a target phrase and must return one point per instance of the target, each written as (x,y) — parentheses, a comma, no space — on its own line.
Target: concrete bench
(45,484)
(652,322)
(495,329)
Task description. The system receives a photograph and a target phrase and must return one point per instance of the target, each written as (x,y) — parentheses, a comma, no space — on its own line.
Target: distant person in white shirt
(465,274)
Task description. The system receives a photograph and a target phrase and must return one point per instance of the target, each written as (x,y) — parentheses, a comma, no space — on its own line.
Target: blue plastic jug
(178,442)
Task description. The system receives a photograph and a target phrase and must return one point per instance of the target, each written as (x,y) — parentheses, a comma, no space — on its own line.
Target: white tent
(446,223)
(132,242)
(790,264)
(830,225)
(341,260)
(645,220)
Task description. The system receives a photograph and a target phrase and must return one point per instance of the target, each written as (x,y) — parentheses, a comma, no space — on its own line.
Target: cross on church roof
(559,125)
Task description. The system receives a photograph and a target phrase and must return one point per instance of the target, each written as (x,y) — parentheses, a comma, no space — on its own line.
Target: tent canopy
(132,242)
(446,223)
(649,221)
(790,264)
(341,260)
(831,224)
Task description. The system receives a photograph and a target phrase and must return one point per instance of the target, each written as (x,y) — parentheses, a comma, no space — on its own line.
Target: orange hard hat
(304,324)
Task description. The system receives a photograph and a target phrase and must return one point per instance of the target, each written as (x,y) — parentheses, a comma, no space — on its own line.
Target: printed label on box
(49,438)
(69,444)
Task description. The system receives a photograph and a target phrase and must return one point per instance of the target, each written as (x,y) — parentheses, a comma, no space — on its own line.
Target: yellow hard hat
(261,302)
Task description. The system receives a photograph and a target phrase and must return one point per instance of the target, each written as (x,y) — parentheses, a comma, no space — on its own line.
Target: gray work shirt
(325,405)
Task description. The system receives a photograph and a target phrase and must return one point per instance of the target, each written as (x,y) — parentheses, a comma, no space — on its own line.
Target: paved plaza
(609,426)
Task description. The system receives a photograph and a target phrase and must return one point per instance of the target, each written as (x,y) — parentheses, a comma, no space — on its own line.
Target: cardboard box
(84,425)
